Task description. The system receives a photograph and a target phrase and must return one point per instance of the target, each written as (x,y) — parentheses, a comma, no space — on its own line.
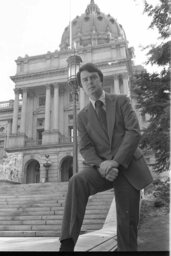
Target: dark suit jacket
(120,142)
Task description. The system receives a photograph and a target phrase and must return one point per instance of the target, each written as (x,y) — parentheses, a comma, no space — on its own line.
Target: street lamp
(74,62)
(47,165)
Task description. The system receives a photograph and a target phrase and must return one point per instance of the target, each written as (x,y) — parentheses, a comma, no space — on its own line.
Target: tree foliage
(153,99)
(153,90)
(160,55)
(160,17)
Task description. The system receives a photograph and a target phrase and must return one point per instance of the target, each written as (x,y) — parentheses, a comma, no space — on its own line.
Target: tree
(153,90)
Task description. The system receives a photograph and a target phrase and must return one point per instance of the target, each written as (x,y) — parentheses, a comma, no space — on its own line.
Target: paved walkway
(85,242)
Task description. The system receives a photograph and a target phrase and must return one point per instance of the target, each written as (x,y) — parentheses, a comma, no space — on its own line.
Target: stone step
(18,233)
(37,209)
(59,212)
(39,203)
(45,203)
(52,233)
(49,200)
(30,193)
(12,223)
(32,186)
(29,227)
(36,200)
(45,217)
(28,196)
(26,213)
(56,227)
(55,207)
(52,196)
(37,189)
(32,203)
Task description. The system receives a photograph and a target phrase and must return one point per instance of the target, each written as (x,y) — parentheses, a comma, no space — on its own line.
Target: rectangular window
(40,122)
(70,97)
(1,143)
(39,136)
(71,133)
(70,119)
(42,101)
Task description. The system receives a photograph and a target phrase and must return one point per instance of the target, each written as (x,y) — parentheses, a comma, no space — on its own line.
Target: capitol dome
(92,28)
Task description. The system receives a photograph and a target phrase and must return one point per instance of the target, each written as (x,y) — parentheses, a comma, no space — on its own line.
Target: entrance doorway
(66,168)
(33,172)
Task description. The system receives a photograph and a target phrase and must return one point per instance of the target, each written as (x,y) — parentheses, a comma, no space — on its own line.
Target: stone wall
(11,166)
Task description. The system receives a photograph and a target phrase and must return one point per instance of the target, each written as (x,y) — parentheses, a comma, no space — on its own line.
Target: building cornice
(81,49)
(39,147)
(39,74)
(62,71)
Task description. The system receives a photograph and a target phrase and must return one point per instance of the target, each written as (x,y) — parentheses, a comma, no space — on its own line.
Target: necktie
(101,113)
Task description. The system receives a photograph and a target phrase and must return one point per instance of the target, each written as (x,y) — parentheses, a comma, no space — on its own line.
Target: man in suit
(109,134)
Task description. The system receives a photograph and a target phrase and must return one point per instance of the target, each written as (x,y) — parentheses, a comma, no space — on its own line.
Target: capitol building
(36,127)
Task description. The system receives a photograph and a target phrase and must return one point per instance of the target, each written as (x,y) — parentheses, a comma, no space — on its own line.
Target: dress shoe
(67,245)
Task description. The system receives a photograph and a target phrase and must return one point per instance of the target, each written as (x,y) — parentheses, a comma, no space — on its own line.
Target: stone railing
(63,139)
(8,104)
(32,142)
(35,142)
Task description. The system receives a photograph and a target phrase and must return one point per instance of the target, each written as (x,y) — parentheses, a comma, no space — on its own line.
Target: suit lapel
(110,114)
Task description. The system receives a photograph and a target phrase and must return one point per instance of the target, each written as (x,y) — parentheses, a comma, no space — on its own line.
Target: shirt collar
(102,98)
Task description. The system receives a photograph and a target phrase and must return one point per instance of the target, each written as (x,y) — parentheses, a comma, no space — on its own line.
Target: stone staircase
(37,209)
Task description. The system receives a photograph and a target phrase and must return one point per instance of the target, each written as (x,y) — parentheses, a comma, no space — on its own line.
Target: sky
(35,27)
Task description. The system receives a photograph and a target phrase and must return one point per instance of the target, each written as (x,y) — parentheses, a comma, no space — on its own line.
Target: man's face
(91,84)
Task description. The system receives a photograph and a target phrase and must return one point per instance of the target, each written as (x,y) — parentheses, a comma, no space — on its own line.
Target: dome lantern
(92,8)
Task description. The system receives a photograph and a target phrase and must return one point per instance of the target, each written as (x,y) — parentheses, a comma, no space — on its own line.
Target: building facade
(36,127)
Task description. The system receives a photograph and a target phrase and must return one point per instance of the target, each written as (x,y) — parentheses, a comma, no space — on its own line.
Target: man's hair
(90,67)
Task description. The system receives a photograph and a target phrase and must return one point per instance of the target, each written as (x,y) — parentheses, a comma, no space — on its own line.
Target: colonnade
(55,112)
(117,85)
(47,126)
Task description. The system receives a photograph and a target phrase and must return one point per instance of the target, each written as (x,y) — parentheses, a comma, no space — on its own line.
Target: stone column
(116,85)
(56,108)
(47,108)
(9,128)
(23,112)
(126,85)
(82,98)
(15,112)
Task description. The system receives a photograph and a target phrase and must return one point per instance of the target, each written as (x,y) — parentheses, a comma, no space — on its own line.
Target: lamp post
(47,165)
(73,67)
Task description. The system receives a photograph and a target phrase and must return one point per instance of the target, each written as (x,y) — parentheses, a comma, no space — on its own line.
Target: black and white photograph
(85,126)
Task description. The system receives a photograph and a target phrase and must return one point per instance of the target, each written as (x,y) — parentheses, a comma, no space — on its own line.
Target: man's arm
(132,134)
(86,146)
(109,168)
(90,156)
